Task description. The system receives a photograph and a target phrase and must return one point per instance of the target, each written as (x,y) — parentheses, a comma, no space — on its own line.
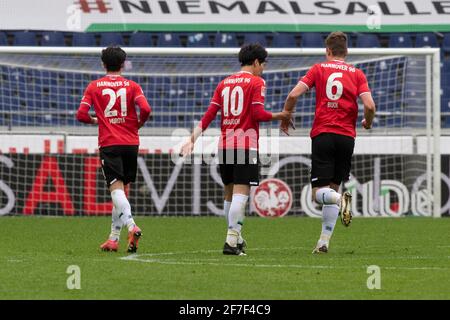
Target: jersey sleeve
(85,104)
(259,93)
(141,101)
(214,106)
(363,86)
(310,78)
(217,99)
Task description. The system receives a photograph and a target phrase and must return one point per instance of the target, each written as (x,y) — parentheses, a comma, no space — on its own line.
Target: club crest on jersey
(272,198)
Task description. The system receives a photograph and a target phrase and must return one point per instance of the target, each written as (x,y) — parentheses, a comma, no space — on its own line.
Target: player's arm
(367,100)
(83,109)
(369,110)
(259,114)
(206,120)
(304,84)
(144,106)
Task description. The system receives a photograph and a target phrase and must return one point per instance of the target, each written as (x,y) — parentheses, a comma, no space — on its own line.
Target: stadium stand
(27,38)
(111,38)
(141,39)
(53,39)
(400,40)
(367,41)
(284,40)
(256,37)
(168,40)
(46,105)
(198,40)
(3,39)
(81,39)
(312,40)
(426,40)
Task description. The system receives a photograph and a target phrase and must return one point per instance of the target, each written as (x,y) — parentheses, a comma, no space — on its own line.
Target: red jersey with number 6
(114,99)
(240,97)
(338,86)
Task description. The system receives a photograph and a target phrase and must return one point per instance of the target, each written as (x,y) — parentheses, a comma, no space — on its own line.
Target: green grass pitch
(181,258)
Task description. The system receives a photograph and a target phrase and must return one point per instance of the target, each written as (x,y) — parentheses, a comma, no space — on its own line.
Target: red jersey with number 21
(114,99)
(338,86)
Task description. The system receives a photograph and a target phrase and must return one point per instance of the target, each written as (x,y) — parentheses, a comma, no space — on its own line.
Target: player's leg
(245,174)
(324,191)
(112,244)
(228,196)
(129,159)
(111,168)
(345,145)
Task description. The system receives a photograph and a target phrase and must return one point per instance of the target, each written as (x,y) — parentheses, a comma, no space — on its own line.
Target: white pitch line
(141,258)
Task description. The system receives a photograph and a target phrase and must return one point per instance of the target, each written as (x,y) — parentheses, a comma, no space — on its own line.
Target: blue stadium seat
(168,40)
(197,40)
(83,39)
(3,39)
(255,37)
(141,39)
(312,40)
(446,43)
(52,39)
(284,40)
(400,40)
(367,41)
(225,40)
(426,40)
(26,38)
(111,38)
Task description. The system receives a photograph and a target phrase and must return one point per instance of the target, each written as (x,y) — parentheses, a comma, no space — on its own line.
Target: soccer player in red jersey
(338,86)
(114,99)
(240,98)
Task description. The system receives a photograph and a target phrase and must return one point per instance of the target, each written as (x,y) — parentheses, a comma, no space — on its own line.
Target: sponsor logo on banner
(272,198)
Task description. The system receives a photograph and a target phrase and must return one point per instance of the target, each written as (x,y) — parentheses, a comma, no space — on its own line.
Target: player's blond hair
(337,43)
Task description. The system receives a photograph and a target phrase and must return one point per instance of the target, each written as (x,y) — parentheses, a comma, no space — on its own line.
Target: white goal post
(406,85)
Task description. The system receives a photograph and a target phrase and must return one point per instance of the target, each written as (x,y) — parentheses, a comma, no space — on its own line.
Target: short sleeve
(363,86)
(259,92)
(310,78)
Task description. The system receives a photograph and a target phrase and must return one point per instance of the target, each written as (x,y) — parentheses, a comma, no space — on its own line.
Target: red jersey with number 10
(338,86)
(240,97)
(114,99)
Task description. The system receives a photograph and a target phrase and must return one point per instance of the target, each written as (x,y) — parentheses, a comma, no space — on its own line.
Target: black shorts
(331,159)
(119,163)
(239,166)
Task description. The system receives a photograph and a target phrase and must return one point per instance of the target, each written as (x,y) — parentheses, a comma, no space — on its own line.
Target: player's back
(113,98)
(236,95)
(338,86)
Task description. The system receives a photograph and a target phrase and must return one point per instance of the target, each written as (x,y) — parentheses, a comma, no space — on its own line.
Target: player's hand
(187,149)
(366,125)
(94,120)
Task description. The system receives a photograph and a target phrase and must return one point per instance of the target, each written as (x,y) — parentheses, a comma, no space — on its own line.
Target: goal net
(49,163)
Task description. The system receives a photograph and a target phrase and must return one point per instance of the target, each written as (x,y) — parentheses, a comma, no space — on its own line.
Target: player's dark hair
(337,43)
(250,52)
(113,58)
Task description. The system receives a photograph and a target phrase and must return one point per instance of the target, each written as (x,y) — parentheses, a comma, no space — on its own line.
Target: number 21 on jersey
(122,95)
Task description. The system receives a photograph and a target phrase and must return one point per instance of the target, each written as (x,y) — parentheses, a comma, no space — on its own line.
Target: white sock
(116,225)
(236,218)
(226,209)
(123,208)
(330,214)
(328,196)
